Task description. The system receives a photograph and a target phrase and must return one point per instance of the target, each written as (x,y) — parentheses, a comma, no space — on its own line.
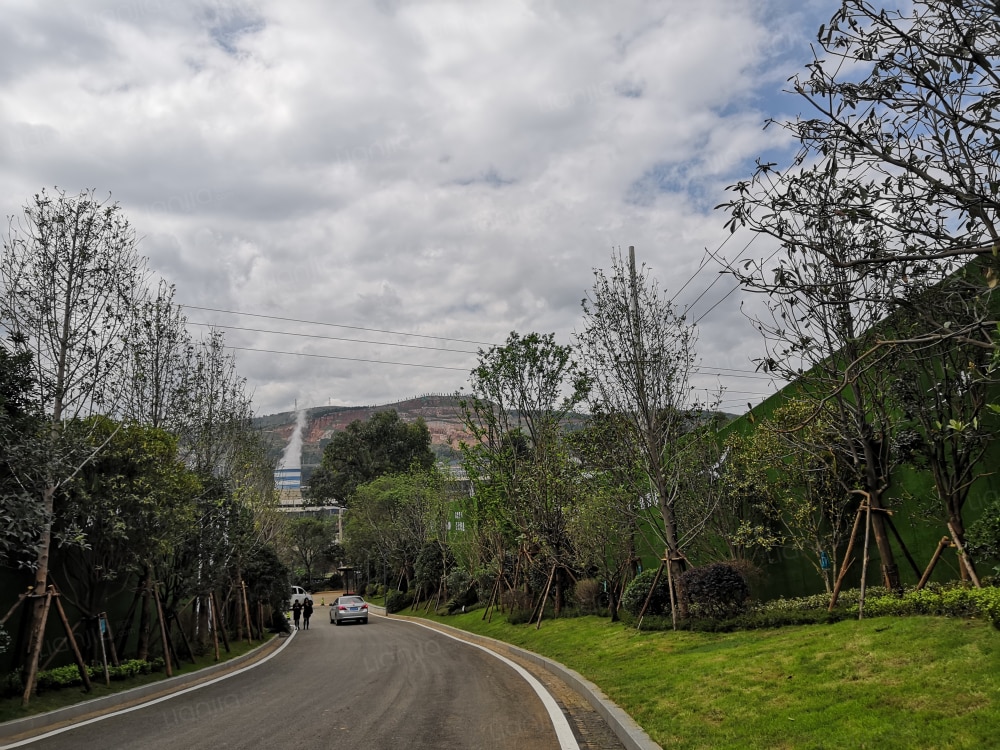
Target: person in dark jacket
(307,610)
(297,613)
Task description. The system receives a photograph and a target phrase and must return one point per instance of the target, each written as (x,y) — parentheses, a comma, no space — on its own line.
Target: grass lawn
(10,708)
(908,682)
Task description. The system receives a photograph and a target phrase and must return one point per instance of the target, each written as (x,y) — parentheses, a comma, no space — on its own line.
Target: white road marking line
(563,731)
(152,702)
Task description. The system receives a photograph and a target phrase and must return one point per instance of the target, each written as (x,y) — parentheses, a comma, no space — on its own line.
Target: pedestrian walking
(297,613)
(307,610)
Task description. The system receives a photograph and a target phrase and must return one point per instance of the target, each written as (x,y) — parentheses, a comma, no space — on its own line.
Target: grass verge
(909,682)
(11,708)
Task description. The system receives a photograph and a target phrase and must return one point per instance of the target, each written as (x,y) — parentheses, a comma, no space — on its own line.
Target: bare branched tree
(71,276)
(639,353)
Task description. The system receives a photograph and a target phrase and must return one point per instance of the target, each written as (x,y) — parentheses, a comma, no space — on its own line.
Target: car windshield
(351,600)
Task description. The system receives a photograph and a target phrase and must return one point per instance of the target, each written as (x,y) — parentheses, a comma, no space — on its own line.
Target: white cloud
(451,169)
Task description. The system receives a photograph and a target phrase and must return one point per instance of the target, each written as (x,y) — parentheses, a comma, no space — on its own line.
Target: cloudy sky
(363,193)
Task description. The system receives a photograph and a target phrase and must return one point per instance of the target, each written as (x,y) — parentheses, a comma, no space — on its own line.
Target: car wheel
(336,622)
(364,621)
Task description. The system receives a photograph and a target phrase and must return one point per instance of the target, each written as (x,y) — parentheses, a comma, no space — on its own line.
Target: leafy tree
(984,535)
(640,353)
(434,561)
(308,540)
(739,528)
(383,444)
(267,577)
(21,449)
(521,396)
(392,517)
(130,506)
(899,153)
(236,510)
(787,467)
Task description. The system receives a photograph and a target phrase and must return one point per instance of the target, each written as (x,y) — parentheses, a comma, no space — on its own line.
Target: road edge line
(564,732)
(153,688)
(632,736)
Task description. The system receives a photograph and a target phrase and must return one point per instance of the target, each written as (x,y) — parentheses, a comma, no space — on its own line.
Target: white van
(299,595)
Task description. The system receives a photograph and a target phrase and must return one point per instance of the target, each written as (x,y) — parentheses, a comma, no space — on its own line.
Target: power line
(335,325)
(332,338)
(348,359)
(728,370)
(699,371)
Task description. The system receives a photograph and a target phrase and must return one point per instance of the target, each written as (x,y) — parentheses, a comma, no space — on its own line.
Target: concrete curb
(96,706)
(631,734)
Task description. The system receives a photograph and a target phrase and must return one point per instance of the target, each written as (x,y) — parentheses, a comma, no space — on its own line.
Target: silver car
(349,608)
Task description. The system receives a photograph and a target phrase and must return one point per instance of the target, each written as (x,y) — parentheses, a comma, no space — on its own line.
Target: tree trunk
(40,604)
(203,628)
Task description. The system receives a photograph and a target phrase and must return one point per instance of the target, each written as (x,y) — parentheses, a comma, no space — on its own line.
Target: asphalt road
(387,684)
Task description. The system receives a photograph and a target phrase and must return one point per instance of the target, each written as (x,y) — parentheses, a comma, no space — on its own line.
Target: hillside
(440,413)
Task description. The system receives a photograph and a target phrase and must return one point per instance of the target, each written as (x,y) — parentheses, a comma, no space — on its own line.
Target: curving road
(387,684)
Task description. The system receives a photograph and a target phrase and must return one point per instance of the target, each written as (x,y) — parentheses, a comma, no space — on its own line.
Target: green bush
(69,675)
(983,537)
(396,601)
(717,590)
(588,593)
(637,591)
(520,616)
(463,590)
(947,601)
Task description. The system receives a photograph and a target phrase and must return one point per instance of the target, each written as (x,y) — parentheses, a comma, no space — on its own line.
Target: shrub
(517,599)
(519,616)
(947,601)
(717,590)
(519,605)
(396,601)
(983,537)
(69,675)
(462,589)
(588,594)
(637,591)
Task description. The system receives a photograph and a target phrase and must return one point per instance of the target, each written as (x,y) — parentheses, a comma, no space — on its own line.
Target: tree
(521,396)
(640,354)
(392,517)
(943,391)
(820,329)
(308,541)
(605,523)
(787,467)
(383,444)
(739,527)
(236,513)
(155,383)
(901,104)
(71,277)
(22,462)
(901,156)
(130,507)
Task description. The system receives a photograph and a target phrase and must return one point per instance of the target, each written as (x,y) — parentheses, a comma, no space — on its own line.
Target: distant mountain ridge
(441,414)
